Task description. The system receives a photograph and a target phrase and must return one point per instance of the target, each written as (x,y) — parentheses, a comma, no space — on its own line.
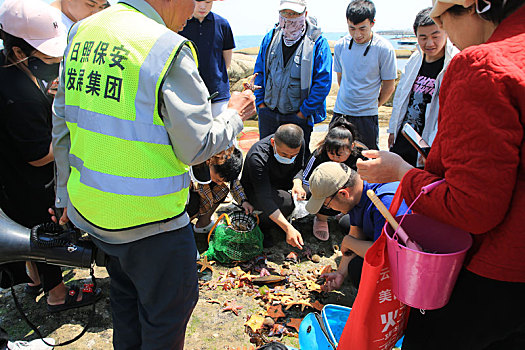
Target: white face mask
(293,28)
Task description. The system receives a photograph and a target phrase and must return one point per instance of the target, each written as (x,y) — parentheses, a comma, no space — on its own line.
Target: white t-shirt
(65,20)
(362,75)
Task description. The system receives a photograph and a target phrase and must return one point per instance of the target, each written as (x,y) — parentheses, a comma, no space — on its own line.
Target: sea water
(247,41)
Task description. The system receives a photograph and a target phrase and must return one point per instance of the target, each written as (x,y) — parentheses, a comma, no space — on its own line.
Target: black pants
(284,201)
(271,120)
(367,128)
(482,314)
(153,289)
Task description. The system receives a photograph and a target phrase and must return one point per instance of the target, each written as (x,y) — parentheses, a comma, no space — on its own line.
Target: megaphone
(45,243)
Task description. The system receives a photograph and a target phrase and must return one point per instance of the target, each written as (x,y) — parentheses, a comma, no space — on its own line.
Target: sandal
(205,229)
(321,231)
(88,298)
(33,290)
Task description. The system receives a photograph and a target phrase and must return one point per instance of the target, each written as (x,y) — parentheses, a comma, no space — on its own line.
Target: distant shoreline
(254,51)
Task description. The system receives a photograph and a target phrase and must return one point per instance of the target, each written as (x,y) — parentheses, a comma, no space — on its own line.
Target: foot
(201,227)
(72,299)
(320,229)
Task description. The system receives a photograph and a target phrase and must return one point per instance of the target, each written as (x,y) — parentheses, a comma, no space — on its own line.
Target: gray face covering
(293,28)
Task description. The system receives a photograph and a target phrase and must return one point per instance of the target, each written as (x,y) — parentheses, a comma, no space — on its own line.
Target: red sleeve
(477,149)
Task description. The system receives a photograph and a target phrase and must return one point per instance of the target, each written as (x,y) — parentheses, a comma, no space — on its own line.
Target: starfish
(275,312)
(213,301)
(317,305)
(255,322)
(326,269)
(303,304)
(232,306)
(312,286)
(295,323)
(205,264)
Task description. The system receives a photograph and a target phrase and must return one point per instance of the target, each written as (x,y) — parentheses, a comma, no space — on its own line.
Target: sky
(256,17)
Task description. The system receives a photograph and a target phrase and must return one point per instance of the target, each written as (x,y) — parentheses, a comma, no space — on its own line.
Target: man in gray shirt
(152,265)
(366,69)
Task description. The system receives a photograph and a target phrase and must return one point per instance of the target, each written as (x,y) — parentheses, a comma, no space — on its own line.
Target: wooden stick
(392,221)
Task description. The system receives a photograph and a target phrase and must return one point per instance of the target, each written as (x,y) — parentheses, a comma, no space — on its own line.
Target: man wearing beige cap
(336,186)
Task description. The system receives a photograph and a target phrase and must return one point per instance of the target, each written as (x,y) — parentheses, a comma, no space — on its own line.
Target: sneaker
(36,344)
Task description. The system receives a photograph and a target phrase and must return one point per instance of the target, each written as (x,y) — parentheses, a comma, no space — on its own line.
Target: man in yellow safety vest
(130,115)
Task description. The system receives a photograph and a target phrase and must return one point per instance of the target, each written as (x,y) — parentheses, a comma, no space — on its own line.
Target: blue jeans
(271,120)
(153,289)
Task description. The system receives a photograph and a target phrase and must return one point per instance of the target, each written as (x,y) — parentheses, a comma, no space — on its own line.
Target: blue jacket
(315,104)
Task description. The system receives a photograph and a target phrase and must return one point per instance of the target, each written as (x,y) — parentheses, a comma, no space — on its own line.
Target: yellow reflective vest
(124,172)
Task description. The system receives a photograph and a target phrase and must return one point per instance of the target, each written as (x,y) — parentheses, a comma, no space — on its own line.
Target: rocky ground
(210,327)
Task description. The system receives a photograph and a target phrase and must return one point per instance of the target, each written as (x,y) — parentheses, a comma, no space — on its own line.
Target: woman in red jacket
(480,152)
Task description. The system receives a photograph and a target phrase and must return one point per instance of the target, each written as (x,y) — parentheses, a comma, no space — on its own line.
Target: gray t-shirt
(362,75)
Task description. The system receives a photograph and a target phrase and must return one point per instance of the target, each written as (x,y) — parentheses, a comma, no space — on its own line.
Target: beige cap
(37,23)
(440,6)
(325,181)
(298,6)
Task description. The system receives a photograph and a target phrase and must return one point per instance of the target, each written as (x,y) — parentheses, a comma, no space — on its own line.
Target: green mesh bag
(239,239)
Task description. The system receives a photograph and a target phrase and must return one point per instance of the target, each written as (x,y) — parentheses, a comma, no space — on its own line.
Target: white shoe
(205,229)
(36,344)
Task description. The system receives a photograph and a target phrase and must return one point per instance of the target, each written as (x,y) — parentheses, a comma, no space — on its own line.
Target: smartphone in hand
(415,140)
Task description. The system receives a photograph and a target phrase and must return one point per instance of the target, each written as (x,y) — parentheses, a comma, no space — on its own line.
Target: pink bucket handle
(428,188)
(424,190)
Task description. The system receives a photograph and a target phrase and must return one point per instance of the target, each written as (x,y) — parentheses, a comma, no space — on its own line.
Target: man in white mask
(294,68)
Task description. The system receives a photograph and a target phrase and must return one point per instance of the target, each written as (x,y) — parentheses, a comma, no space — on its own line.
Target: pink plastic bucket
(424,280)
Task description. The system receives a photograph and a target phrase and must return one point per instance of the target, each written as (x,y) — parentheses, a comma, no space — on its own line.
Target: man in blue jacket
(294,68)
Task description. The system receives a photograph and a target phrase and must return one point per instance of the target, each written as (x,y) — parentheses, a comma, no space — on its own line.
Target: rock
(241,67)
(268,322)
(316,258)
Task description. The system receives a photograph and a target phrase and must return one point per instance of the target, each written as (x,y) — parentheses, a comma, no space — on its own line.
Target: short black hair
(360,10)
(423,19)
(11,41)
(289,134)
(231,168)
(499,10)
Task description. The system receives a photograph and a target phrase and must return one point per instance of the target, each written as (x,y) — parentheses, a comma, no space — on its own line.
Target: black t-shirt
(25,136)
(420,96)
(262,174)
